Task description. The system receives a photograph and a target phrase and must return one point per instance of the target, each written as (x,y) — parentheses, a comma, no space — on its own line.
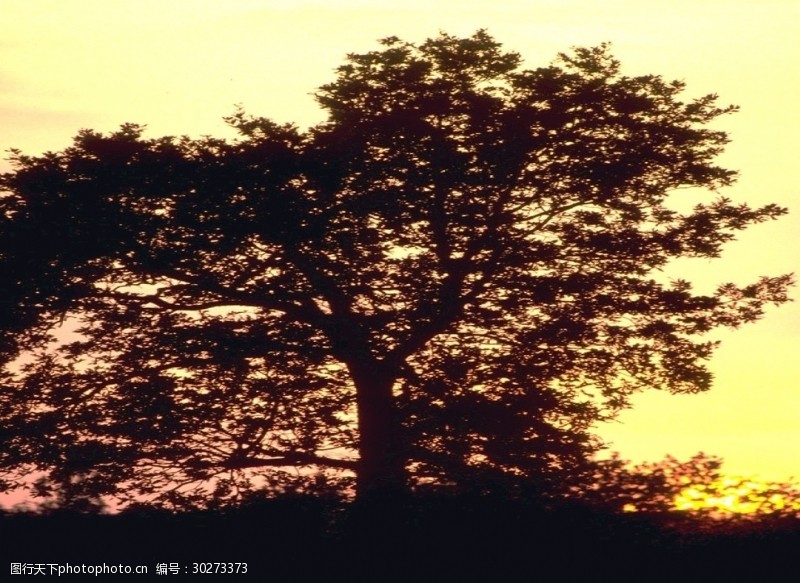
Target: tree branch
(289,459)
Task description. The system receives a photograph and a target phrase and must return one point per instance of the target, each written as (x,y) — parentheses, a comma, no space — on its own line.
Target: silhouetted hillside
(436,538)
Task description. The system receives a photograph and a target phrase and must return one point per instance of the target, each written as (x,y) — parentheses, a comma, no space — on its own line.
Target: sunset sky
(179,66)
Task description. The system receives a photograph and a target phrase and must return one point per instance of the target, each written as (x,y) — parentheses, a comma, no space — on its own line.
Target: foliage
(446,282)
(697,488)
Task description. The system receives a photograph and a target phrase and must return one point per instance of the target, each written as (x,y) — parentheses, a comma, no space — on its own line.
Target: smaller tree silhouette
(698,488)
(73,494)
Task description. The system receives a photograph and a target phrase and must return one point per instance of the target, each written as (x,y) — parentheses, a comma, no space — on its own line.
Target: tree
(447,281)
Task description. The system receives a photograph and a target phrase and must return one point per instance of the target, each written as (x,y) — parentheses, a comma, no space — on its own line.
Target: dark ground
(432,539)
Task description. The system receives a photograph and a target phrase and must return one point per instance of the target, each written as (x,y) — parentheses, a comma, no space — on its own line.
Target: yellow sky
(179,66)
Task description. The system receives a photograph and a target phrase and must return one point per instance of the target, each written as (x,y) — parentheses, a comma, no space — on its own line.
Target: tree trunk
(381,474)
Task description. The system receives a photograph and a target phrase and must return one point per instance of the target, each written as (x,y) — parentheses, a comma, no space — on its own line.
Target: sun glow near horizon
(737,496)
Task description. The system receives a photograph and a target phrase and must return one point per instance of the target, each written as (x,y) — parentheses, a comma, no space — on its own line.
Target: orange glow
(736,496)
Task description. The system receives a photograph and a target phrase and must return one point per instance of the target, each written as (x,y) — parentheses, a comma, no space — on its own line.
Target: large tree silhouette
(447,281)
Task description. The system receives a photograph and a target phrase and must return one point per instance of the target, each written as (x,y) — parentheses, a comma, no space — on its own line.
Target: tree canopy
(446,282)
